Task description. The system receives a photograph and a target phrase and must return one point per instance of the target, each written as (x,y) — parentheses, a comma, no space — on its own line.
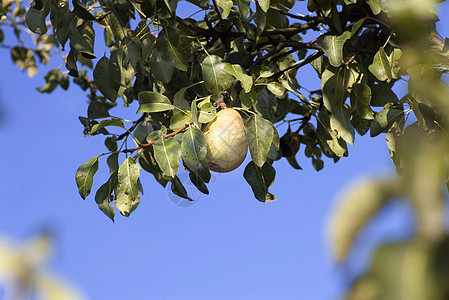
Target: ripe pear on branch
(227,145)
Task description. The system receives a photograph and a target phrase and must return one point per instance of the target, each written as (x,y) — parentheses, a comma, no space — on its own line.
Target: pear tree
(210,86)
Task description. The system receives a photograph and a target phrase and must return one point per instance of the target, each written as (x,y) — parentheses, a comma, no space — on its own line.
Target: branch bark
(164,137)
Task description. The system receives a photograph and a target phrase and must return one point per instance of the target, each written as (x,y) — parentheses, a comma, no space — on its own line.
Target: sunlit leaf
(238,72)
(104,123)
(194,151)
(259,133)
(127,196)
(333,47)
(384,119)
(215,77)
(167,153)
(85,176)
(225,6)
(167,44)
(153,102)
(381,67)
(276,88)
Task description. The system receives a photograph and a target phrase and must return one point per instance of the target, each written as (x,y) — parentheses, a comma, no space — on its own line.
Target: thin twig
(302,18)
(351,59)
(215,7)
(305,120)
(198,30)
(278,48)
(135,123)
(164,137)
(306,61)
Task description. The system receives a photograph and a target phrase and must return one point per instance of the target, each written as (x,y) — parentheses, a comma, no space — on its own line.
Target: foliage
(23,271)
(247,55)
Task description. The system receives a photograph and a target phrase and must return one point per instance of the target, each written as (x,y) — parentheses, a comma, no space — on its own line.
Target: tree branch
(164,137)
(198,30)
(217,10)
(135,123)
(305,120)
(306,61)
(278,48)
(302,18)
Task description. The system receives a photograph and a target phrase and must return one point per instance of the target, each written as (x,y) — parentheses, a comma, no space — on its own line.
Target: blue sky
(225,246)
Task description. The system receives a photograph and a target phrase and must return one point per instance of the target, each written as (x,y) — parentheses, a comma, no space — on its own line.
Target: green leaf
(384,119)
(107,78)
(178,120)
(361,99)
(167,153)
(357,25)
(394,55)
(244,7)
(264,4)
(118,31)
(328,137)
(382,94)
(335,91)
(161,69)
(238,72)
(194,151)
(207,112)
(3,13)
(333,47)
(121,9)
(198,182)
(71,64)
(81,12)
(121,62)
(61,18)
(260,179)
(293,162)
(337,146)
(111,143)
(167,45)
(261,19)
(150,165)
(150,102)
(104,196)
(225,6)
(85,176)
(259,133)
(335,87)
(35,18)
(375,6)
(317,164)
(355,209)
(340,122)
(180,101)
(104,123)
(127,195)
(273,153)
(381,66)
(248,99)
(276,88)
(194,110)
(24,58)
(178,188)
(215,77)
(82,39)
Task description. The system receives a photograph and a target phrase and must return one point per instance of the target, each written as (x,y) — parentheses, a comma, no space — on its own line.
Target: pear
(226,141)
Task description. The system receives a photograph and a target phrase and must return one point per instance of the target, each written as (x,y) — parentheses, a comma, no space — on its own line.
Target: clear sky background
(225,246)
